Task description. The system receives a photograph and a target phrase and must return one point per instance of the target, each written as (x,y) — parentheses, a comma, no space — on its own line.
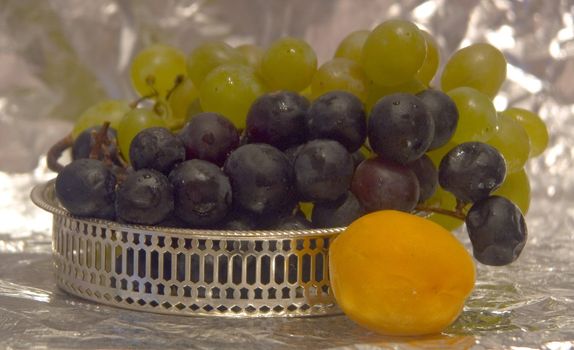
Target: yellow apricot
(399,274)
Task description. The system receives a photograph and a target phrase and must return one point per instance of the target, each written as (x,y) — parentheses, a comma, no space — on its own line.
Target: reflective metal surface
(190,272)
(58,56)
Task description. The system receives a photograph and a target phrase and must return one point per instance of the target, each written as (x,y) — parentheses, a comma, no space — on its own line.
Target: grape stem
(101,146)
(136,103)
(101,149)
(457,214)
(55,152)
(178,81)
(150,81)
(460,205)
(99,140)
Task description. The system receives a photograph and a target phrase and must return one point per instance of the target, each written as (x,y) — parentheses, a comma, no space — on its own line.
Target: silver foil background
(59,56)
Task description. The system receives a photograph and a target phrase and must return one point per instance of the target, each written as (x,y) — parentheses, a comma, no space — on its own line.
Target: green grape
(106,111)
(181,99)
(479,66)
(516,188)
(307,93)
(289,64)
(230,90)
(436,155)
(163,109)
(512,141)
(534,126)
(376,92)
(132,123)
(477,120)
(208,56)
(444,200)
(367,152)
(393,53)
(432,60)
(307,209)
(352,46)
(340,74)
(252,53)
(158,65)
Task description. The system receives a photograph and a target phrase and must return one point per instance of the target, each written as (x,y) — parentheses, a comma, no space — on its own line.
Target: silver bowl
(190,272)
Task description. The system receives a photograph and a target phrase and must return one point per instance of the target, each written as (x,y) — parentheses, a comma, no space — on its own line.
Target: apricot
(400,274)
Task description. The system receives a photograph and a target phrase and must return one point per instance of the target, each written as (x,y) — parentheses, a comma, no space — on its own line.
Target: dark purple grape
(292,152)
(381,184)
(297,221)
(471,171)
(444,114)
(400,128)
(84,143)
(497,231)
(173,221)
(86,187)
(323,171)
(268,221)
(238,224)
(339,213)
(156,148)
(202,192)
(261,178)
(210,137)
(238,221)
(339,116)
(145,197)
(278,119)
(427,175)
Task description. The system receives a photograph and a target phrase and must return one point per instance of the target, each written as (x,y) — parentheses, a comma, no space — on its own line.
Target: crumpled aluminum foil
(59,56)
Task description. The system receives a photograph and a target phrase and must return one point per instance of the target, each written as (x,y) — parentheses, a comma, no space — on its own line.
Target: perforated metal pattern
(191,272)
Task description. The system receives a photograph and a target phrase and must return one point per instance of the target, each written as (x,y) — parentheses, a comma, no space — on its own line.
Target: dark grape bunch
(294,151)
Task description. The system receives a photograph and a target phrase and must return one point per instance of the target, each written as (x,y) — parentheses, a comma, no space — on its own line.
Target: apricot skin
(400,274)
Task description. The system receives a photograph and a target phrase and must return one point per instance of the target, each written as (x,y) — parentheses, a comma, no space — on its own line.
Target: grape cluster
(245,138)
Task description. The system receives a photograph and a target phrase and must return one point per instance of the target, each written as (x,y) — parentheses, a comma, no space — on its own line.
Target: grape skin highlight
(431,62)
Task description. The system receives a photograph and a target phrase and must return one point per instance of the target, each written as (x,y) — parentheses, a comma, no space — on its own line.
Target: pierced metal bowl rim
(43,196)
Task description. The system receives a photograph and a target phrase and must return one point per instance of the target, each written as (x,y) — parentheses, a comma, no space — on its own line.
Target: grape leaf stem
(101,149)
(55,152)
(100,139)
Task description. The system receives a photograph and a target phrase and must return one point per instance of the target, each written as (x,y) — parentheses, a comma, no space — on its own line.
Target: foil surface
(59,56)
